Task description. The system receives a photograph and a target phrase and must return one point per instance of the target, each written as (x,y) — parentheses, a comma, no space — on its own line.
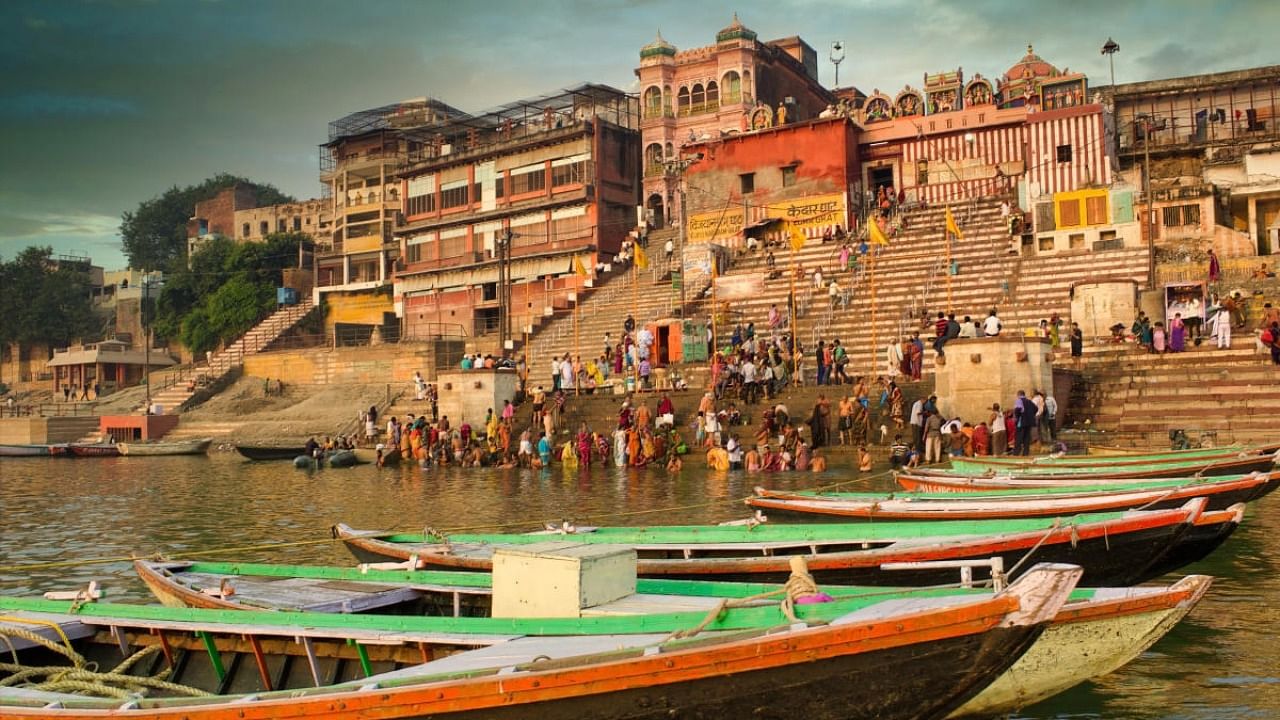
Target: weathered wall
(320,366)
(467,395)
(983,371)
(41,430)
(1098,306)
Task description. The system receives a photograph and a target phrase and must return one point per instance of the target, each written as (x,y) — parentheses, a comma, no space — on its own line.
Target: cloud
(42,104)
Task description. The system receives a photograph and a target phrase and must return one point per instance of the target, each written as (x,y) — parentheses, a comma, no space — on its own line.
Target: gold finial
(1029,50)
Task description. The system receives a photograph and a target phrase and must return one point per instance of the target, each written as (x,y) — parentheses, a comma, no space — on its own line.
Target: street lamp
(837,56)
(1110,49)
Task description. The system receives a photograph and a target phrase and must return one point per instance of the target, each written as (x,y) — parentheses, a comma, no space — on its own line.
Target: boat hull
(25,451)
(1112,554)
(1087,640)
(96,450)
(261,452)
(193,447)
(1214,468)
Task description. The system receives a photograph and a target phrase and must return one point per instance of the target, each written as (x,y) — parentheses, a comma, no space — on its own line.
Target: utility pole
(1146,192)
(675,169)
(504,297)
(146,339)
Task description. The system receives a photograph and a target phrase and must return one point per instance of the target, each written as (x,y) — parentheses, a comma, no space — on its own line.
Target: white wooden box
(560,578)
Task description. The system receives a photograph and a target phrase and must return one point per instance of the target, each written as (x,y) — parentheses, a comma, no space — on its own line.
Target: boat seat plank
(523,650)
(894,607)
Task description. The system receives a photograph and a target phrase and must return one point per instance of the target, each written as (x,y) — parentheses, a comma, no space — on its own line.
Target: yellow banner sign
(715,226)
(815,211)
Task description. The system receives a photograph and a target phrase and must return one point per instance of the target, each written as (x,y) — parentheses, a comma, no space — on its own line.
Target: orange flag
(951,225)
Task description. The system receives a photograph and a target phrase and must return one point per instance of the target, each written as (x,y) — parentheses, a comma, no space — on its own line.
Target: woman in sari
(1177,334)
(584,446)
(896,405)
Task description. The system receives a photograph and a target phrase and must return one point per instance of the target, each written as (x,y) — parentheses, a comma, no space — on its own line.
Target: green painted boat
(1233,465)
(1124,459)
(886,656)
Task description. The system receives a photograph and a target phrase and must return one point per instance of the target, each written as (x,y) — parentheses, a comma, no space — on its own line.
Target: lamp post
(1110,49)
(837,56)
(146,341)
(503,242)
(674,169)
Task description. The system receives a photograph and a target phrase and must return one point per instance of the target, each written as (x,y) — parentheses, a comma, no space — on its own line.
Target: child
(898,453)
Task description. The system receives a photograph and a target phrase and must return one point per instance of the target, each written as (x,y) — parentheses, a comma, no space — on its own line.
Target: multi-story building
(312,217)
(514,199)
(1209,140)
(704,93)
(217,215)
(358,166)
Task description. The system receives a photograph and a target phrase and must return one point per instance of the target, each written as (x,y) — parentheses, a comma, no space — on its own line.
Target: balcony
(701,109)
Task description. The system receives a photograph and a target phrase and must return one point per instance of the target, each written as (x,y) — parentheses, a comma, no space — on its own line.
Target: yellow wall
(368,243)
(319,366)
(1079,197)
(364,308)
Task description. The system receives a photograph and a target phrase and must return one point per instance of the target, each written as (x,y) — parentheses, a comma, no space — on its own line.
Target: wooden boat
(180,447)
(1207,532)
(1113,548)
(940,482)
(267,452)
(843,507)
(869,657)
(1089,639)
(369,456)
(26,450)
(93,449)
(1096,632)
(1204,455)
(1179,468)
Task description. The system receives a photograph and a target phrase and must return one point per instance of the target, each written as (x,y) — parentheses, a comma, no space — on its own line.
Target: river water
(1221,662)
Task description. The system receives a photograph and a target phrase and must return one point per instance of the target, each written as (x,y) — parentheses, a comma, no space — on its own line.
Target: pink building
(722,89)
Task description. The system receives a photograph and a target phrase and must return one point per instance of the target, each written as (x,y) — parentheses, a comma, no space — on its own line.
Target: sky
(107,103)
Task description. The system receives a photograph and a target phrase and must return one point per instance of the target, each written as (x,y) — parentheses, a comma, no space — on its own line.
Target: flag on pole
(874,234)
(951,225)
(578,268)
(797,239)
(642,260)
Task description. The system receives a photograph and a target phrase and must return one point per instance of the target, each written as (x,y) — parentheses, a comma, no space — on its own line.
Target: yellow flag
(642,260)
(797,239)
(874,235)
(577,266)
(951,225)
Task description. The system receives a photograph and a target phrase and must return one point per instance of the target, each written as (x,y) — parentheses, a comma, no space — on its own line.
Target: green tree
(155,233)
(43,301)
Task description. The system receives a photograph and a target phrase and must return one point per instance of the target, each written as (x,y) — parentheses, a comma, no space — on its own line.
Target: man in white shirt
(917,423)
(749,380)
(1047,417)
(967,330)
(991,327)
(670,248)
(555,374)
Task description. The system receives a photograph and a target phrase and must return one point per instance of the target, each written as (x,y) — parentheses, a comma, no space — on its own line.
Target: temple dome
(660,46)
(735,31)
(1030,66)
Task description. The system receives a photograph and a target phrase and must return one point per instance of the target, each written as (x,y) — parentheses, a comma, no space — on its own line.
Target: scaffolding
(389,120)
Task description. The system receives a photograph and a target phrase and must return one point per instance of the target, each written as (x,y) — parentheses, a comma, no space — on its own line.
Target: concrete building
(358,165)
(551,181)
(217,215)
(312,217)
(704,93)
(1211,140)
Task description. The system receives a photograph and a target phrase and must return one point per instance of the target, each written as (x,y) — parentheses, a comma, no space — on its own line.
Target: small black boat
(266,452)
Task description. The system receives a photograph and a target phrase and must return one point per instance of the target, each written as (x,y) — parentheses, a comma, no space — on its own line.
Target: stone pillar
(1253,222)
(982,371)
(465,395)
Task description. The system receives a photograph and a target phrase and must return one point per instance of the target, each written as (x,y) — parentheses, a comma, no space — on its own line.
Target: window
(297,223)
(280,225)
(419,204)
(244,230)
(453,197)
(713,95)
(413,253)
(264,227)
(1064,153)
(453,247)
(1069,213)
(1190,214)
(570,174)
(499,186)
(732,84)
(571,228)
(1095,210)
(922,172)
(1180,215)
(1046,243)
(1075,241)
(748,181)
(528,182)
(789,176)
(653,102)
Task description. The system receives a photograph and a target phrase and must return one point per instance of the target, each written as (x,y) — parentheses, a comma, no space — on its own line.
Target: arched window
(653,159)
(713,95)
(682,101)
(671,152)
(731,84)
(653,102)
(699,98)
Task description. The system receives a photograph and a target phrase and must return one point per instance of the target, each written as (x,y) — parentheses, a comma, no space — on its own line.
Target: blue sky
(105,103)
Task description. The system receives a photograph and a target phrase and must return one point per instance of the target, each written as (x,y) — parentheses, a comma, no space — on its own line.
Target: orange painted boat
(886,659)
(938,482)
(845,507)
(1115,549)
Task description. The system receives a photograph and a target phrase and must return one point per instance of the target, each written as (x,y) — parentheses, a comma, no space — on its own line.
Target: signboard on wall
(738,287)
(815,212)
(717,225)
